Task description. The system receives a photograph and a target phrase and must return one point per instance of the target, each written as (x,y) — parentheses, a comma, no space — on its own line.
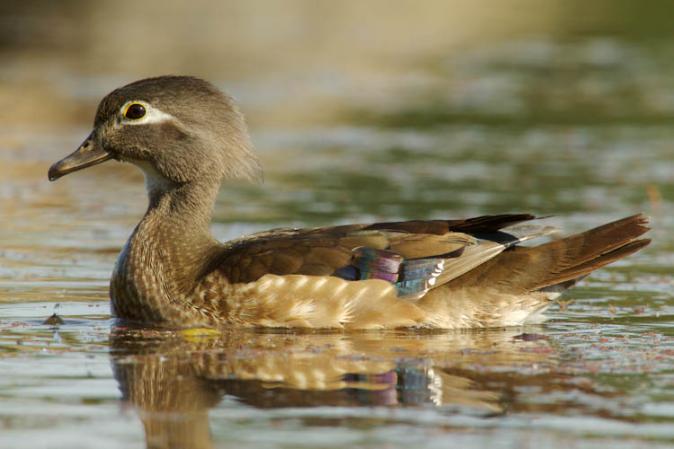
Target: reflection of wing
(173,381)
(169,373)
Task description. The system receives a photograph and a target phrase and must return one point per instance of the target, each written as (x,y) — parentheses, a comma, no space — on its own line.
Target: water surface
(557,121)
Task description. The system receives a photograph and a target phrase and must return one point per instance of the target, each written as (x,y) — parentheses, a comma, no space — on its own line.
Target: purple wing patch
(412,278)
(377,264)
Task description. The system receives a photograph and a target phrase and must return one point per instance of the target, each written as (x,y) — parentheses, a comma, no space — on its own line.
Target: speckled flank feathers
(432,274)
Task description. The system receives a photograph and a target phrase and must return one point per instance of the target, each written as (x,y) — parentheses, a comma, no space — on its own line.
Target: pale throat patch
(154,181)
(152,115)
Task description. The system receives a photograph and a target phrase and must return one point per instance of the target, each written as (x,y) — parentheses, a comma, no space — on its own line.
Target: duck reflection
(173,379)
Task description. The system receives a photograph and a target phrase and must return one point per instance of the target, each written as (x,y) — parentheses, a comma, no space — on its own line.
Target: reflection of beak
(86,155)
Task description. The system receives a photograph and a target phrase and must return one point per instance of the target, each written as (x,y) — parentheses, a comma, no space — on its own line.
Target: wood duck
(187,136)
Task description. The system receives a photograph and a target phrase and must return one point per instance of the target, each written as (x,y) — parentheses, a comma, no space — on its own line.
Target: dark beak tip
(52,175)
(55,172)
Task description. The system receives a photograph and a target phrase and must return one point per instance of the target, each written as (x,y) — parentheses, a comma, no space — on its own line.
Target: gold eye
(134,111)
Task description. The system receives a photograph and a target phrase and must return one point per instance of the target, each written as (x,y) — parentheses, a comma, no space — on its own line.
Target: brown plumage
(187,136)
(524,269)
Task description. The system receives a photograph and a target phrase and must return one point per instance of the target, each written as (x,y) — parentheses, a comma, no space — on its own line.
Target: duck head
(177,129)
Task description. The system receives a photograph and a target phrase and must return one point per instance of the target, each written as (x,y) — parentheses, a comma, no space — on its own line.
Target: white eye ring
(152,114)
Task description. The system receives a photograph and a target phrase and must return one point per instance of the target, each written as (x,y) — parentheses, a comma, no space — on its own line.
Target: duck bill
(86,155)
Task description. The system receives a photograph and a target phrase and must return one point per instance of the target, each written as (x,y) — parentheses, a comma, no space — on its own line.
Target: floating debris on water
(530,337)
(54,320)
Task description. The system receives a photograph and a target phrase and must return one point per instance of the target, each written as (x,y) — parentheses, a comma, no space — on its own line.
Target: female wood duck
(187,136)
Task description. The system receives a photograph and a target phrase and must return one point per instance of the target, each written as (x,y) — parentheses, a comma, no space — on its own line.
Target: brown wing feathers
(321,251)
(518,269)
(525,269)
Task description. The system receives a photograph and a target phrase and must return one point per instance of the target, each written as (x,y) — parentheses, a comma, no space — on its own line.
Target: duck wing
(415,256)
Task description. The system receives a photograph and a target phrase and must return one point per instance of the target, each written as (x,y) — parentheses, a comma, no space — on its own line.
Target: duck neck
(168,252)
(177,223)
(187,207)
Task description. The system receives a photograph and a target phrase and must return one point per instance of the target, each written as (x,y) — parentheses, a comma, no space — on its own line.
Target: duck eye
(135,111)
